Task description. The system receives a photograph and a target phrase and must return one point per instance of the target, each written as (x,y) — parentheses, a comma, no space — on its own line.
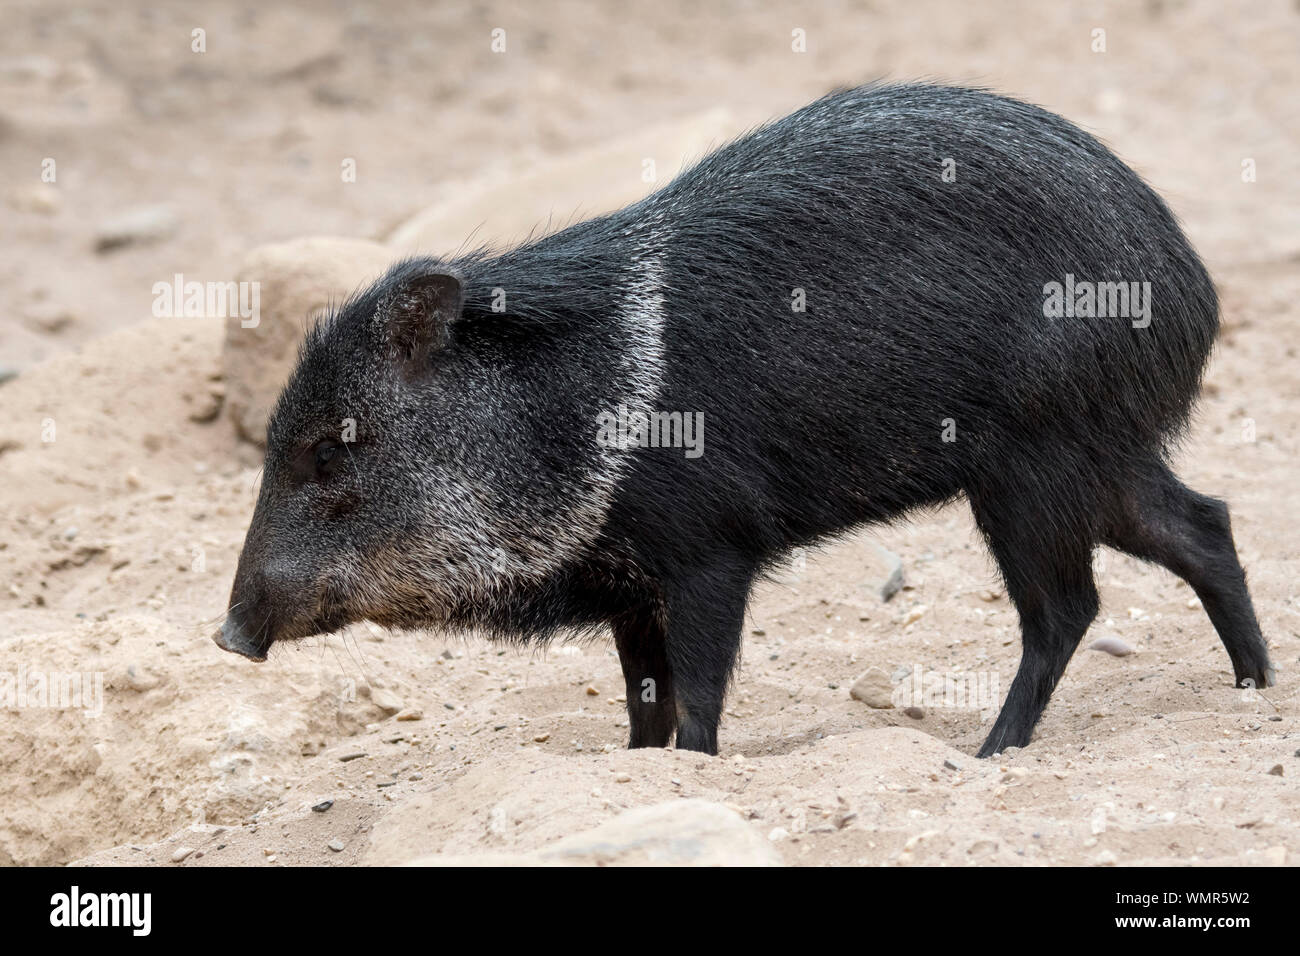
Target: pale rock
(296,280)
(675,833)
(874,689)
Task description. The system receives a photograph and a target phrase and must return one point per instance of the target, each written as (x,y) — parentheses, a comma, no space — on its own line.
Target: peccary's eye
(328,454)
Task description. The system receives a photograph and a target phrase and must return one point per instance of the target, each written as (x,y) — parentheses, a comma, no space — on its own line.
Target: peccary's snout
(265,603)
(239,637)
(277,597)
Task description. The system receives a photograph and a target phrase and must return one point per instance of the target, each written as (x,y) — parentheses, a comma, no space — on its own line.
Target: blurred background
(205,154)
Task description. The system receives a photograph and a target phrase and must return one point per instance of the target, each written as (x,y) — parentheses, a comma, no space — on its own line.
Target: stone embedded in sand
(1277,770)
(336,845)
(386,700)
(874,689)
(915,711)
(889,573)
(677,833)
(411,713)
(1111,645)
(137,226)
(181,853)
(296,280)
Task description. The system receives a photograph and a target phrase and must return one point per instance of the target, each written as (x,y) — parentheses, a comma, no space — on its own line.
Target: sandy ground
(118,538)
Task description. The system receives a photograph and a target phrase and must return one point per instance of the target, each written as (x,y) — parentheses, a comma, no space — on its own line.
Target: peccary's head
(426,459)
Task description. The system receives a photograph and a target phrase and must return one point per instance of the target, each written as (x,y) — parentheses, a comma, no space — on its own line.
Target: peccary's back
(856,299)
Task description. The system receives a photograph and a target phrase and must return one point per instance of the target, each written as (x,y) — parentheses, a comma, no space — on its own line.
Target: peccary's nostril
(235,638)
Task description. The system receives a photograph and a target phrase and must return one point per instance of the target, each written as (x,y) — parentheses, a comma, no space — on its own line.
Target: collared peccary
(894,297)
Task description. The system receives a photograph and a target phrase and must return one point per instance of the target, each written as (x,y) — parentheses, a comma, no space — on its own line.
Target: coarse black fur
(476,496)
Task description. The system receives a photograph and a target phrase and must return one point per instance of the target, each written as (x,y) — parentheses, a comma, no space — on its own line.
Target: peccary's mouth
(234,635)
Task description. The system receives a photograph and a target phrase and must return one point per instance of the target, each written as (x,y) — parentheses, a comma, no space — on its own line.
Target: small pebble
(181,853)
(1111,645)
(336,845)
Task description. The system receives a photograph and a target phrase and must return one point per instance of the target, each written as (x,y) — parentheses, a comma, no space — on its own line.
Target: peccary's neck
(554,335)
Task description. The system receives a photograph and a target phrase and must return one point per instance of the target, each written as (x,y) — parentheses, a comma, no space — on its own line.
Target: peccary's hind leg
(705,617)
(1160,519)
(1046,563)
(651,707)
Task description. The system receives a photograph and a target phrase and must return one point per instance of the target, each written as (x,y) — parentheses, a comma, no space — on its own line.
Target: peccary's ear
(419,317)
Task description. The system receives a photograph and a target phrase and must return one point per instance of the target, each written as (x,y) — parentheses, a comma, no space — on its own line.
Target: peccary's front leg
(705,618)
(651,708)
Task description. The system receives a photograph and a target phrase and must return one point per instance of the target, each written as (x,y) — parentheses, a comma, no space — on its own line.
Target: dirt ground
(126,492)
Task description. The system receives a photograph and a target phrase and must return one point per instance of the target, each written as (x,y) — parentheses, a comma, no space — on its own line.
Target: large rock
(297,280)
(676,833)
(506,208)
